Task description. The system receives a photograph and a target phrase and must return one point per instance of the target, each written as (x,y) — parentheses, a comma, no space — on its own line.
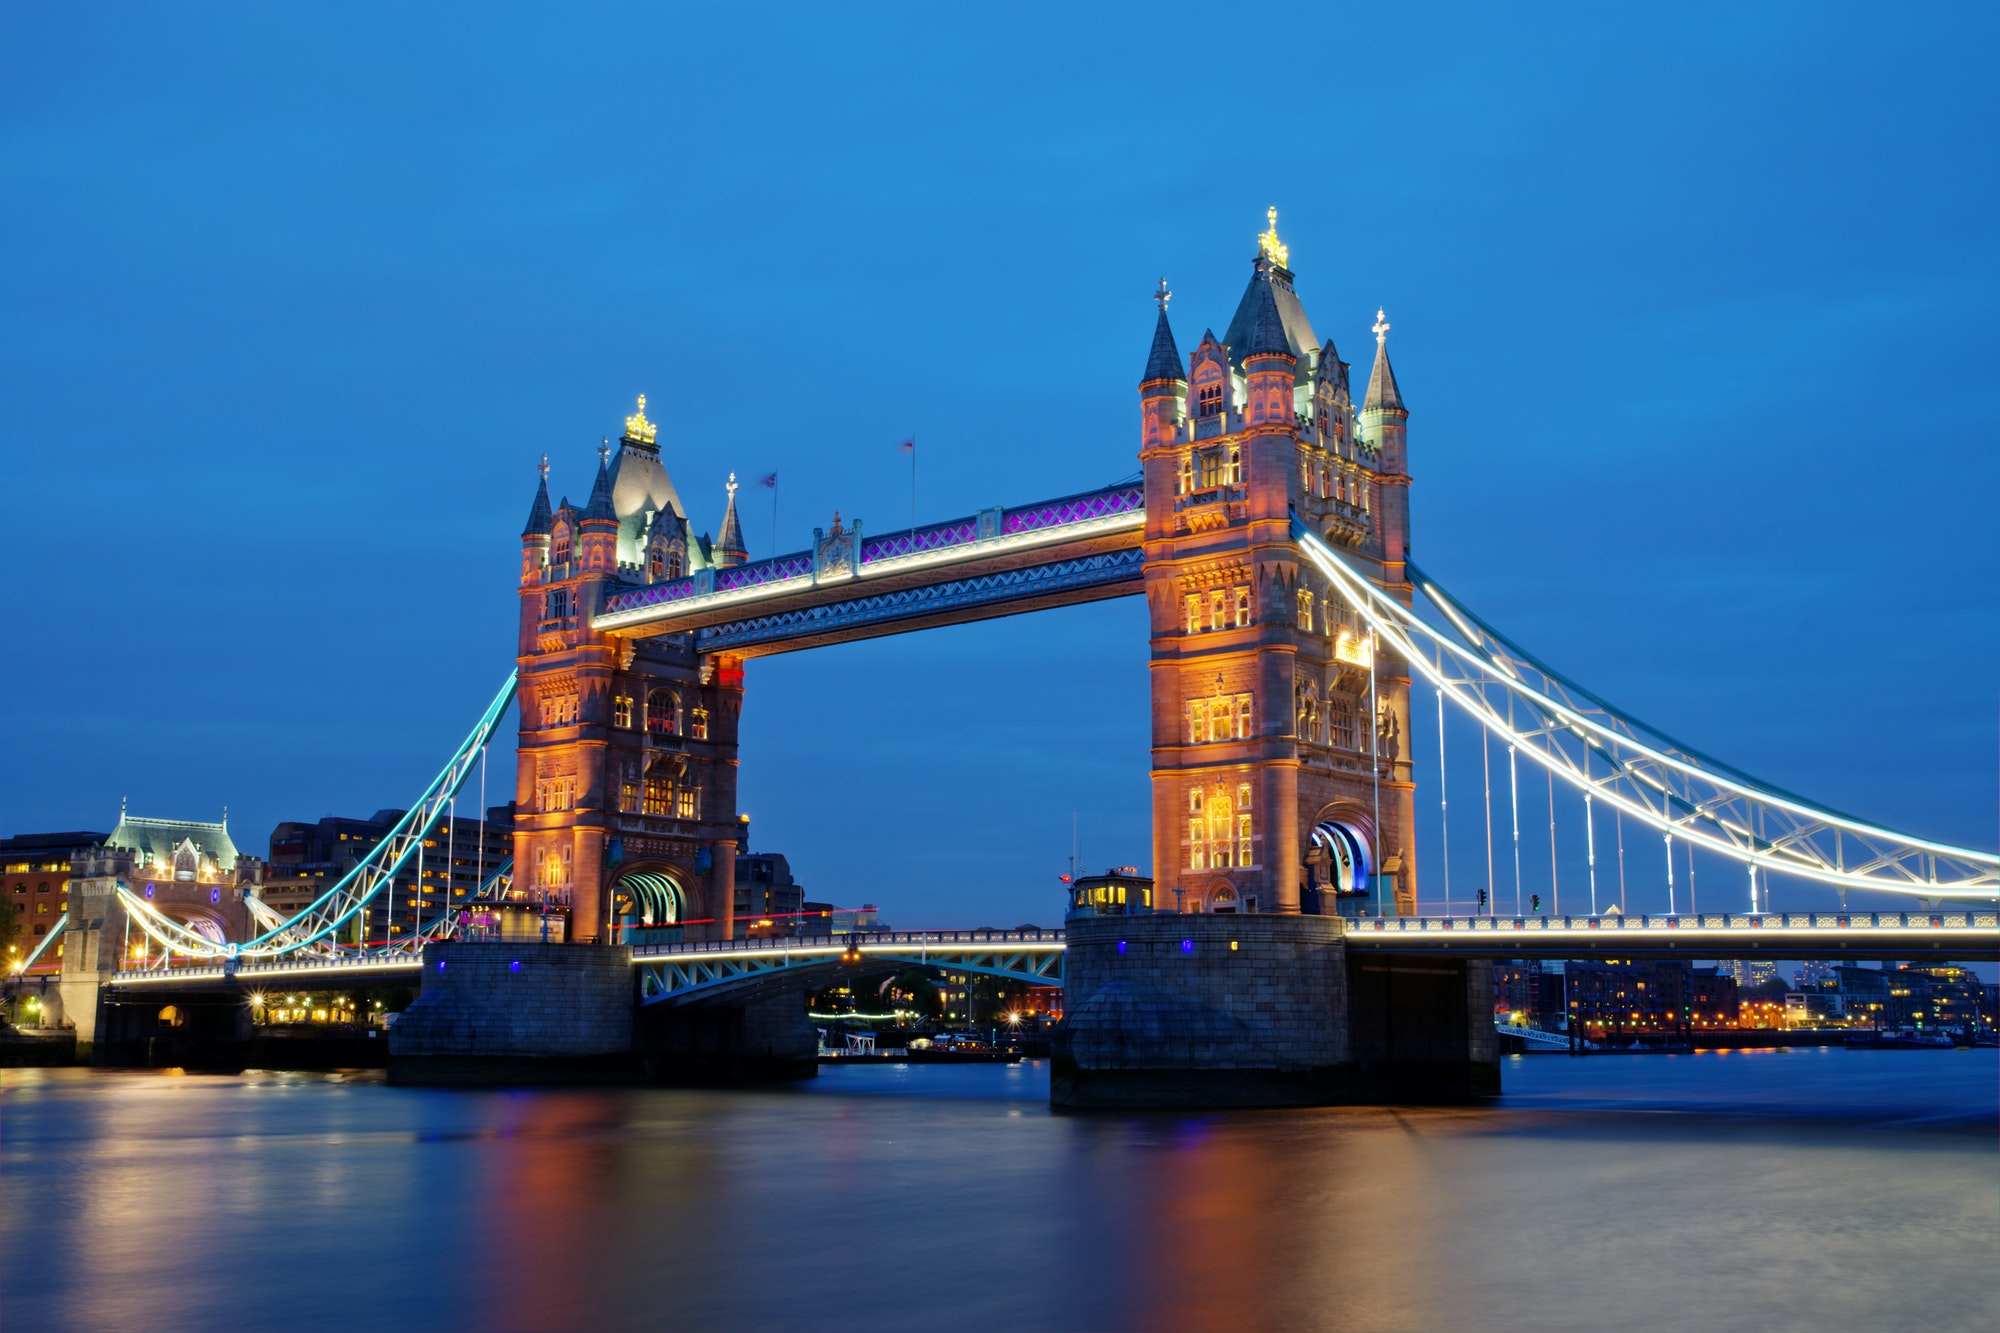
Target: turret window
(621,710)
(559,548)
(1305,609)
(698,724)
(1193,608)
(556,604)
(1208,400)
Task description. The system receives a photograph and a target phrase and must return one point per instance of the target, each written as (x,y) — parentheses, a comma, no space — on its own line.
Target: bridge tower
(626,783)
(1281,781)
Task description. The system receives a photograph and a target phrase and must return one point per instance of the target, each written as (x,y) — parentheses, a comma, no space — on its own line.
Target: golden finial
(1270,246)
(640,429)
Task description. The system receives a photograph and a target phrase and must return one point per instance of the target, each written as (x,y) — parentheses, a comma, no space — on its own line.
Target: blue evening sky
(1693,307)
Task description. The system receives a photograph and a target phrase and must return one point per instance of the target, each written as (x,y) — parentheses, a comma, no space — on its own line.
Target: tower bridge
(1291,637)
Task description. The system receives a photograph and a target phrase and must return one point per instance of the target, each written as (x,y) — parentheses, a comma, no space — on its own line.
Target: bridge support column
(766,1038)
(1263,1010)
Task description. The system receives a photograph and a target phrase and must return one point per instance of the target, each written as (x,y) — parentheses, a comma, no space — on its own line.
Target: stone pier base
(512,1012)
(757,1040)
(1258,1010)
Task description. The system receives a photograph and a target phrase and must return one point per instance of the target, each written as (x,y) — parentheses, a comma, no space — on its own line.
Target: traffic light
(1482,898)
(1534,902)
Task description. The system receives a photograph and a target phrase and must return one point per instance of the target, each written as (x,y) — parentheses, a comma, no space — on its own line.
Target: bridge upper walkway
(998,561)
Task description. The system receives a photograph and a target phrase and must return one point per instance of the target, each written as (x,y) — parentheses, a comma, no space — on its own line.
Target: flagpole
(913,487)
(774,516)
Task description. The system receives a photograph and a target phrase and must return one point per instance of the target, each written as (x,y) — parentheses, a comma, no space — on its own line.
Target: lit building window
(659,796)
(663,713)
(698,724)
(559,550)
(1340,713)
(688,804)
(1242,608)
(1194,613)
(1208,400)
(1211,469)
(621,711)
(1305,609)
(1235,471)
(1218,609)
(1219,717)
(1184,478)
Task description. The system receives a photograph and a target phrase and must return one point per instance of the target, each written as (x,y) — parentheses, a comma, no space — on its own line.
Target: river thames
(1767,1190)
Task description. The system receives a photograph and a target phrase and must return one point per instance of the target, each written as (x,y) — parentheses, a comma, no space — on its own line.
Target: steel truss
(1602,751)
(317,925)
(731,969)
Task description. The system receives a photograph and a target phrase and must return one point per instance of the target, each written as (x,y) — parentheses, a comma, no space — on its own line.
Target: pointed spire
(1267,326)
(600,506)
(1164,361)
(539,517)
(734,552)
(1383,396)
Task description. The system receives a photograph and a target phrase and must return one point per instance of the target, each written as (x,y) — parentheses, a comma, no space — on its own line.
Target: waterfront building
(769,902)
(1749,974)
(34,886)
(1610,1000)
(307,859)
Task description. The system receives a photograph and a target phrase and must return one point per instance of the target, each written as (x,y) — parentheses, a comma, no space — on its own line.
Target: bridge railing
(1973,919)
(858,940)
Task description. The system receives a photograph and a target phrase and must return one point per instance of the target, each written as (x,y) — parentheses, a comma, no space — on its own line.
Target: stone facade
(1279,778)
(516,1011)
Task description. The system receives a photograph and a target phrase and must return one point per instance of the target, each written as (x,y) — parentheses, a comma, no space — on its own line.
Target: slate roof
(157,838)
(539,516)
(1300,340)
(1382,391)
(1164,361)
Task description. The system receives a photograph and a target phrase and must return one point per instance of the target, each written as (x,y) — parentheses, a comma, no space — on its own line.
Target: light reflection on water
(1758,1190)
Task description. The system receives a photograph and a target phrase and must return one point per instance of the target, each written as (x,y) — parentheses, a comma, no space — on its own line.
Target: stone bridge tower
(626,786)
(1281,778)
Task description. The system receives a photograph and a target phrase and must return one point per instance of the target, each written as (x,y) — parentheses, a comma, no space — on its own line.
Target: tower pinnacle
(1381,329)
(639,429)
(1163,362)
(1268,244)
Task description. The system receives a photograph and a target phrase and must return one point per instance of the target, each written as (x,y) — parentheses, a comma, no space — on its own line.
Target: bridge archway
(649,897)
(1339,856)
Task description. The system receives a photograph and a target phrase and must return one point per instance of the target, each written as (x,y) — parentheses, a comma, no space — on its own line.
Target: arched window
(559,546)
(663,713)
(1305,609)
(1222,900)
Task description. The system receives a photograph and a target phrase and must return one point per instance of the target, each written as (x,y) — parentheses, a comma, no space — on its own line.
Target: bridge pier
(1263,1010)
(510,1011)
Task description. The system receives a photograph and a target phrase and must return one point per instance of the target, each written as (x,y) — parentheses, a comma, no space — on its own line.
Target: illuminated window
(1194,613)
(1197,845)
(1242,608)
(1218,609)
(1243,840)
(1305,609)
(1340,714)
(628,793)
(1184,478)
(1243,717)
(1208,400)
(1221,718)
(621,711)
(659,796)
(688,804)
(1211,469)
(1234,473)
(556,604)
(698,724)
(559,551)
(663,713)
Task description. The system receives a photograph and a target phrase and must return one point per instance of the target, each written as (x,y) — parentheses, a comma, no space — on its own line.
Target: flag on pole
(909,446)
(770,479)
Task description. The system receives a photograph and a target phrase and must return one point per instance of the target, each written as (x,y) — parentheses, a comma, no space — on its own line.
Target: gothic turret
(535,536)
(1163,387)
(1382,412)
(1270,365)
(729,550)
(597,542)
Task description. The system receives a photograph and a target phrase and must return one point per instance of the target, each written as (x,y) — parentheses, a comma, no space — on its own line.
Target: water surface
(1770,1190)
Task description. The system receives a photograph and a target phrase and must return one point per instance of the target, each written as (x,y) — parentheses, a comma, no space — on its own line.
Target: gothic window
(1197,720)
(1208,400)
(628,792)
(1305,609)
(1242,608)
(1211,469)
(559,550)
(663,713)
(1193,613)
(1219,843)
(1341,712)
(1197,845)
(1221,719)
(621,711)
(1218,609)
(1184,479)
(556,604)
(698,723)
(1305,476)
(1194,800)
(1234,475)
(1243,717)
(675,562)
(656,566)
(688,803)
